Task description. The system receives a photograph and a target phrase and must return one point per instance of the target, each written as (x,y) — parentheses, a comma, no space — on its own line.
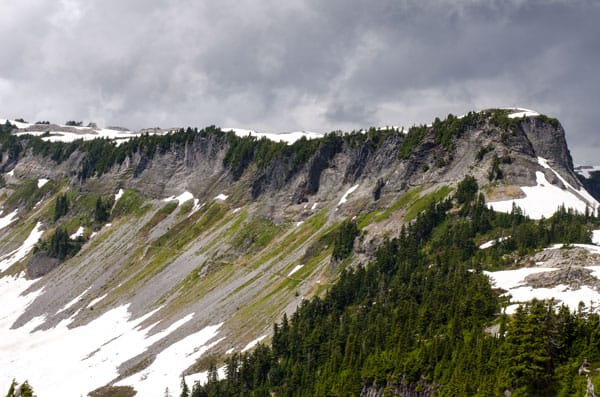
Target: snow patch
(15,256)
(202,377)
(75,300)
(97,300)
(89,355)
(253,343)
(78,233)
(522,112)
(11,172)
(295,269)
(8,219)
(221,197)
(41,182)
(182,198)
(118,195)
(314,206)
(542,200)
(491,243)
(181,354)
(287,137)
(514,282)
(348,192)
(596,237)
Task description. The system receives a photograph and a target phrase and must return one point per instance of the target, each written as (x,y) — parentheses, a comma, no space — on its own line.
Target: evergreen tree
(185,391)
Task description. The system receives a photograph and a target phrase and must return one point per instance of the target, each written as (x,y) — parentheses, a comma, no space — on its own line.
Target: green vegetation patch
(421,204)
(255,234)
(131,202)
(158,217)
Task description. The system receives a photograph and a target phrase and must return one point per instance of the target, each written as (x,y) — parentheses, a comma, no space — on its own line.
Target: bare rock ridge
(204,230)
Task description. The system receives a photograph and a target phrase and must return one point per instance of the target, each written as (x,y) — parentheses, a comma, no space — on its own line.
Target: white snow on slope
(581,191)
(181,354)
(592,249)
(42,181)
(253,343)
(182,198)
(202,377)
(522,112)
(89,355)
(596,237)
(514,282)
(17,124)
(13,257)
(542,200)
(84,133)
(348,192)
(74,301)
(586,170)
(491,243)
(97,300)
(221,197)
(287,137)
(78,233)
(8,219)
(295,269)
(118,195)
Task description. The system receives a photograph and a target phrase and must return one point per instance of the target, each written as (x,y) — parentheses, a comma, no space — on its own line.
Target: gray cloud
(317,65)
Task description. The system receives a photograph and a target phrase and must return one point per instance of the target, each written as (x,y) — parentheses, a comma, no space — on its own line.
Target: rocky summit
(136,258)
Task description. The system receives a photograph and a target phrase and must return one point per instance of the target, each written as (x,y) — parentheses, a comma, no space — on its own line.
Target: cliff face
(250,238)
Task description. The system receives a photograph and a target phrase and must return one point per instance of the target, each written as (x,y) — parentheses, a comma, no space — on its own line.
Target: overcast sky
(319,65)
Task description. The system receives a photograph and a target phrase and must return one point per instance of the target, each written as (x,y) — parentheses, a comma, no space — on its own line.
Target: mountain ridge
(270,239)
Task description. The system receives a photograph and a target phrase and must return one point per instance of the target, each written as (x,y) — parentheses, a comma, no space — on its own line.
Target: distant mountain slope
(146,257)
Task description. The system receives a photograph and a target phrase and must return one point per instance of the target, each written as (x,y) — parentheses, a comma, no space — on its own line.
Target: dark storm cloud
(313,64)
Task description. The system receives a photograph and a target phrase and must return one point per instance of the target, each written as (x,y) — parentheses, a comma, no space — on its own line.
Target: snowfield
(348,193)
(89,355)
(543,199)
(287,137)
(8,219)
(13,257)
(513,281)
(522,112)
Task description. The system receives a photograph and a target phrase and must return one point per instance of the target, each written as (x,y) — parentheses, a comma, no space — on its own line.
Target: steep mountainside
(147,257)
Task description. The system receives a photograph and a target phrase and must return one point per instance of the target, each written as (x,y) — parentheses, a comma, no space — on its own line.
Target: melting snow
(13,257)
(514,282)
(287,137)
(11,172)
(522,112)
(202,377)
(74,301)
(42,181)
(161,373)
(253,343)
(348,192)
(542,200)
(8,219)
(221,197)
(89,355)
(295,269)
(78,233)
(182,198)
(97,300)
(118,195)
(596,237)
(314,206)
(491,243)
